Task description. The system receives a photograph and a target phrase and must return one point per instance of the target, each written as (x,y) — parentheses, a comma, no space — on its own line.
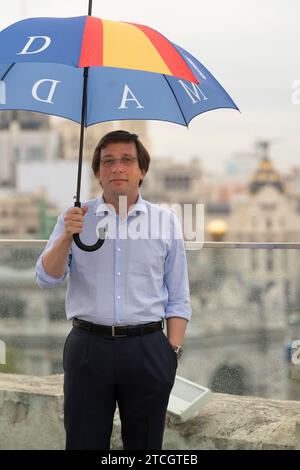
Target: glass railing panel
(246,315)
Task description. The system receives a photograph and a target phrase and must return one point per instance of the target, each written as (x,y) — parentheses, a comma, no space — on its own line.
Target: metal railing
(189,245)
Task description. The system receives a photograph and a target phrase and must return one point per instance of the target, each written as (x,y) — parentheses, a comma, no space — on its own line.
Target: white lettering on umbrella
(51,92)
(2,92)
(31,39)
(125,98)
(193,92)
(196,67)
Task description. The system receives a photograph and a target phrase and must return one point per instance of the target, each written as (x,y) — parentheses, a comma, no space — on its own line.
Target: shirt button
(118,297)
(119,249)
(119,273)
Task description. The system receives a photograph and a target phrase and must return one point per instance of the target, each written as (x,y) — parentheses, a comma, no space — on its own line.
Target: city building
(269,213)
(25,215)
(25,137)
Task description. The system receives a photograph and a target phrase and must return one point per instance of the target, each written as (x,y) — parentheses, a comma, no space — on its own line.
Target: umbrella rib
(186,123)
(8,70)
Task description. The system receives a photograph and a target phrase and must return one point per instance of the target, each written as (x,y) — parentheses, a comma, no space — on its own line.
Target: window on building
(31,230)
(56,309)
(34,154)
(269,224)
(74,140)
(177,182)
(284,259)
(56,367)
(254,260)
(17,153)
(11,307)
(270,260)
(30,120)
(5,119)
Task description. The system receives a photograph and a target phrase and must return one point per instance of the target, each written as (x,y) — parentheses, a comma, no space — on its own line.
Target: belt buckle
(113,333)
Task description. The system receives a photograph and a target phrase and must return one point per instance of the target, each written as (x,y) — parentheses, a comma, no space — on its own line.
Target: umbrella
(92,70)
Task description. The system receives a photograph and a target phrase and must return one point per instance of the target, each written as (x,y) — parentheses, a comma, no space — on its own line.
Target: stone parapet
(31,417)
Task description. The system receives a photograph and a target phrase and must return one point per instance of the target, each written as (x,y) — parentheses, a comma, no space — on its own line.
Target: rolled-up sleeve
(176,277)
(43,279)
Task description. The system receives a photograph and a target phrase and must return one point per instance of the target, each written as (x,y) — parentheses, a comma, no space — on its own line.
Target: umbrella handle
(82,245)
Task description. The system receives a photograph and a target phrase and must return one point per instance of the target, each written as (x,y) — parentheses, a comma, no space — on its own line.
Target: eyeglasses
(110,162)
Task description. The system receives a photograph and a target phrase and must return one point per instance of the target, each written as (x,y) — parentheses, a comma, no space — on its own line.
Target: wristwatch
(178,351)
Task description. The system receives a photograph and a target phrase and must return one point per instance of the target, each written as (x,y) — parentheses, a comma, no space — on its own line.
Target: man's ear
(97,176)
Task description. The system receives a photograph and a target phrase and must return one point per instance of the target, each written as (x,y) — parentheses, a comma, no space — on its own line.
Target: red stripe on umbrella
(168,53)
(92,43)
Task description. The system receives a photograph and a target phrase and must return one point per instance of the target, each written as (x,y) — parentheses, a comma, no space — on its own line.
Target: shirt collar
(101,208)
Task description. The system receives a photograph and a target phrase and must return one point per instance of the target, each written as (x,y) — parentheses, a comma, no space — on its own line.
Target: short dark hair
(122,136)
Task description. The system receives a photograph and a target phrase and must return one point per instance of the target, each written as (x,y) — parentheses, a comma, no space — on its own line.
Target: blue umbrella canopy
(112,93)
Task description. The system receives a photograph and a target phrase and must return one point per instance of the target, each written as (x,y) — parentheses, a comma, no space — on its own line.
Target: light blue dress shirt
(129,280)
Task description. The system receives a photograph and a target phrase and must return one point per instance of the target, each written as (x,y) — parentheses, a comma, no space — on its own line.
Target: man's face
(119,172)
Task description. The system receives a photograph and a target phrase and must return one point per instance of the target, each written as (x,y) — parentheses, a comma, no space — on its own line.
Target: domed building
(268,214)
(265,175)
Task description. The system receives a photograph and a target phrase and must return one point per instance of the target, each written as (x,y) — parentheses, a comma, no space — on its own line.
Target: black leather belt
(130,330)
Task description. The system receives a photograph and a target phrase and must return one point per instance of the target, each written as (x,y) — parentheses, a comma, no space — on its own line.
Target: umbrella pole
(77,203)
(83,118)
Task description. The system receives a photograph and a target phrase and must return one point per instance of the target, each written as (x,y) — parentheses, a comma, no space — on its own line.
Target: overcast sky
(251,46)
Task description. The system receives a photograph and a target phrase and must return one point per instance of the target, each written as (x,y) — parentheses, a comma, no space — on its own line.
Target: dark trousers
(136,372)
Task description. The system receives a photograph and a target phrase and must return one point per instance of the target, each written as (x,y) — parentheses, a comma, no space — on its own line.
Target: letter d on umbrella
(2,353)
(31,40)
(48,99)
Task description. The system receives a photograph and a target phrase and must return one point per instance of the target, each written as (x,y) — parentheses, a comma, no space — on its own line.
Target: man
(117,298)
